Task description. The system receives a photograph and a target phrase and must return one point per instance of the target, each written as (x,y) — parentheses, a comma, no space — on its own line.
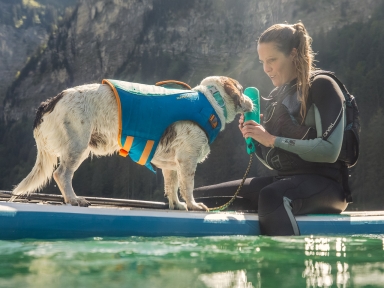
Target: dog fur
(83,120)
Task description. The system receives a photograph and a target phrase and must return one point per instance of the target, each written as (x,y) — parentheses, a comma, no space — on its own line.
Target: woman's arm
(328,105)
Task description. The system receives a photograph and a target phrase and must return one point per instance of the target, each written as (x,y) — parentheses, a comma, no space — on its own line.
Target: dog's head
(232,93)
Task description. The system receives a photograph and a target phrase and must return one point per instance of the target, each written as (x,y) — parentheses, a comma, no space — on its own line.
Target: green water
(356,261)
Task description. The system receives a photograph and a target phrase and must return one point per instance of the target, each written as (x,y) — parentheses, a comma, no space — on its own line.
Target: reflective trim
(288,208)
(306,133)
(262,161)
(269,119)
(105,81)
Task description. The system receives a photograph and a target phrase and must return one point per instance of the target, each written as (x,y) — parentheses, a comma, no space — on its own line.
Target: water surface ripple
(236,261)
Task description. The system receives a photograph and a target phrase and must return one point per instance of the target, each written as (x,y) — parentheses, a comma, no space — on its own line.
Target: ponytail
(286,38)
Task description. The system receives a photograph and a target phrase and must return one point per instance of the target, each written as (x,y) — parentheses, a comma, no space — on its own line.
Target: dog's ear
(233,89)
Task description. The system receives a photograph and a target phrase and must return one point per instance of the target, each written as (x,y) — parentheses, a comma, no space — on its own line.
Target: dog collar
(219,99)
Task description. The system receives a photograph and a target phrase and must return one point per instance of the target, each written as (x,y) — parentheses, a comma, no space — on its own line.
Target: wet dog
(83,120)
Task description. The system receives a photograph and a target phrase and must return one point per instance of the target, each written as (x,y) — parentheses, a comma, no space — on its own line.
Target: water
(236,261)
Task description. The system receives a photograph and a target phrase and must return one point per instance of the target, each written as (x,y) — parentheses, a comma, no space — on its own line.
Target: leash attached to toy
(253,94)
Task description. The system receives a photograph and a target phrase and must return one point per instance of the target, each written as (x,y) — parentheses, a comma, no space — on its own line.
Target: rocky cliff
(150,40)
(24,26)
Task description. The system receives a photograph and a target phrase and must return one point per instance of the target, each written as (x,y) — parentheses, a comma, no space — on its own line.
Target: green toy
(254,115)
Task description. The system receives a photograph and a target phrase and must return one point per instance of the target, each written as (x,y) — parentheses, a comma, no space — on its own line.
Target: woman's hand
(257,132)
(241,120)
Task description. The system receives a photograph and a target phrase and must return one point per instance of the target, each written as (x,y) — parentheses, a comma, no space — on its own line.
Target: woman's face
(277,65)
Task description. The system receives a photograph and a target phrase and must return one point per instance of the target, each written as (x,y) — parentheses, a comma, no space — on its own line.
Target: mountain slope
(150,40)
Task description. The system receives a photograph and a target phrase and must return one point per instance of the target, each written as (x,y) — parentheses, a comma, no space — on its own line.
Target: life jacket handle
(175,82)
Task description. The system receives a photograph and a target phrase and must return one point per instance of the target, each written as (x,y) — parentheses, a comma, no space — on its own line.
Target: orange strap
(147,150)
(127,146)
(144,156)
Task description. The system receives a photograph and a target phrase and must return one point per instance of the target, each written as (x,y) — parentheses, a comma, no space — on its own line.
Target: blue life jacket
(145,111)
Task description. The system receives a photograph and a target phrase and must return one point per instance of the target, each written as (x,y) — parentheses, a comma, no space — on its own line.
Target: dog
(84,121)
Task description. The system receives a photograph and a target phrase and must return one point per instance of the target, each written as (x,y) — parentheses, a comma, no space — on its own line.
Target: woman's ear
(293,54)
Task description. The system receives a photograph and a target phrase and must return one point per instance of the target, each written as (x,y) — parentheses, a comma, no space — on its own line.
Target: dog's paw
(182,206)
(198,206)
(178,206)
(79,201)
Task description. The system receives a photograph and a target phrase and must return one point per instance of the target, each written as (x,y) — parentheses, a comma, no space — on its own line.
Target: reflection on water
(368,275)
(317,246)
(320,246)
(342,274)
(228,279)
(324,271)
(235,261)
(317,274)
(340,247)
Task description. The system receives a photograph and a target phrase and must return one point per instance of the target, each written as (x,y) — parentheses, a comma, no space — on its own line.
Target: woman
(301,137)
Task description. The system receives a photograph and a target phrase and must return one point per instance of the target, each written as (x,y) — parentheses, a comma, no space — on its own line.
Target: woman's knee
(270,199)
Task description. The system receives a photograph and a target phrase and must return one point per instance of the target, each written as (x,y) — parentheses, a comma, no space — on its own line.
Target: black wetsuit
(305,157)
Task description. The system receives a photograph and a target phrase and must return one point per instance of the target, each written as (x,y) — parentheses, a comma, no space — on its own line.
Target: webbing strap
(127,146)
(147,150)
(347,190)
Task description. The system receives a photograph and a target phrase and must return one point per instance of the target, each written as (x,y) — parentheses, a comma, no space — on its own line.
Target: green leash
(222,207)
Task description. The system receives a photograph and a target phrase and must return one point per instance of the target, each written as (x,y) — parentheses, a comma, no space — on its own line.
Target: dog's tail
(41,173)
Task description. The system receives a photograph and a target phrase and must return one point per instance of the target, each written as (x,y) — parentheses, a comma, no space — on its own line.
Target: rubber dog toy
(254,115)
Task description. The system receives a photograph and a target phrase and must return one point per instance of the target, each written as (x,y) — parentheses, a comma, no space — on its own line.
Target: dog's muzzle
(246,104)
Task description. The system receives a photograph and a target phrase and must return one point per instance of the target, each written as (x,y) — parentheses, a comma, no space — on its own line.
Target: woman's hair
(286,37)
